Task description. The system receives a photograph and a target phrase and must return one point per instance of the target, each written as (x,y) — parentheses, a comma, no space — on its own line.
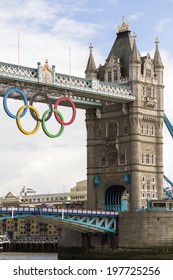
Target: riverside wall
(151,229)
(136,231)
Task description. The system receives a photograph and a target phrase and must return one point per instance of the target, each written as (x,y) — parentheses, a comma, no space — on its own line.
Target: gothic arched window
(112,130)
(148,72)
(109,77)
(147,158)
(115,75)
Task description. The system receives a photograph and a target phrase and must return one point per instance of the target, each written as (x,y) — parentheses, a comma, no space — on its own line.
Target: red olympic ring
(73,107)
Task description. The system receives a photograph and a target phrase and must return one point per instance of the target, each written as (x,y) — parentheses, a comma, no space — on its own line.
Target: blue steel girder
(85,93)
(108,224)
(102,226)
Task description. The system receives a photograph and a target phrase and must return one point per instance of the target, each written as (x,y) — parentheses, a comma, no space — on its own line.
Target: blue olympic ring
(5,102)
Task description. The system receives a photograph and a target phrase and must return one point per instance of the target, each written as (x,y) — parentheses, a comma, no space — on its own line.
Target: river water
(28,256)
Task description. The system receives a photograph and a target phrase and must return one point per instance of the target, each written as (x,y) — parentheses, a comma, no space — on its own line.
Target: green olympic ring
(35,114)
(44,126)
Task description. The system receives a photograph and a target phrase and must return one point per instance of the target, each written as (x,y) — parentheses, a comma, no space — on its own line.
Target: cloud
(136,16)
(45,32)
(162,24)
(112,2)
(74,29)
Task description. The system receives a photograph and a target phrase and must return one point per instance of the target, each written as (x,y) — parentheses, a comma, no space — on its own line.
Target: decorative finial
(46,65)
(157,41)
(124,26)
(90,47)
(134,36)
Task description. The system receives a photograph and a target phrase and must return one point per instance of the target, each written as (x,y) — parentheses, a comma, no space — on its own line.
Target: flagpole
(69,60)
(18,48)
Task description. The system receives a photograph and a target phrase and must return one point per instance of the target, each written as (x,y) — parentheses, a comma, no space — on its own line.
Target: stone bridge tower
(124,141)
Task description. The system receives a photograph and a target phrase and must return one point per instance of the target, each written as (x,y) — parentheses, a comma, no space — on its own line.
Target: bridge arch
(111,196)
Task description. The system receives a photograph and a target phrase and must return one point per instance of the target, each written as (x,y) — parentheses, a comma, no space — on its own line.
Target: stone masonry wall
(145,230)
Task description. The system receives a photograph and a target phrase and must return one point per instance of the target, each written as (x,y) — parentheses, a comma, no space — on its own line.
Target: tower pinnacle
(91,71)
(157,57)
(135,55)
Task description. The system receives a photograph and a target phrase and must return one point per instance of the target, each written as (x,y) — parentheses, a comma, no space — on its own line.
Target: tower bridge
(123,99)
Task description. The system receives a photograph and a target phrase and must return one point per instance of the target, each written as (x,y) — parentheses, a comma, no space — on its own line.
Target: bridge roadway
(80,220)
(43,79)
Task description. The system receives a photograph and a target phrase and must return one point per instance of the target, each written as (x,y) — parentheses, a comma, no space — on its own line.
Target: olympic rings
(19,124)
(44,127)
(35,114)
(74,111)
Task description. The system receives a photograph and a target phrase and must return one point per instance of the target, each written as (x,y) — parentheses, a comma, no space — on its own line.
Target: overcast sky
(46,29)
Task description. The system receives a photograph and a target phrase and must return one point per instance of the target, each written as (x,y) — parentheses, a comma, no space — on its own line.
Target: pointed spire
(135,54)
(91,71)
(157,58)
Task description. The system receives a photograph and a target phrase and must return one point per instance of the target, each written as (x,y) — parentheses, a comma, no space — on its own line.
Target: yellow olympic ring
(18,120)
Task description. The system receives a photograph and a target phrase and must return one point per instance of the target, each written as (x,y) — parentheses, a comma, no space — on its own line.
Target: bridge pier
(146,230)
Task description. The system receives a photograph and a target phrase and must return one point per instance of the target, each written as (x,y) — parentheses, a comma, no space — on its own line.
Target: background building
(31,229)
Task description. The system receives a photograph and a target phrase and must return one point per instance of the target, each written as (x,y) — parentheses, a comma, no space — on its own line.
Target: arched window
(152,130)
(112,130)
(142,158)
(115,75)
(109,77)
(147,158)
(152,159)
(148,73)
(122,158)
(147,130)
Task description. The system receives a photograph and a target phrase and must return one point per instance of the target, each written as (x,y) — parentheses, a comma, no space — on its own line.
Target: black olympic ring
(48,101)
